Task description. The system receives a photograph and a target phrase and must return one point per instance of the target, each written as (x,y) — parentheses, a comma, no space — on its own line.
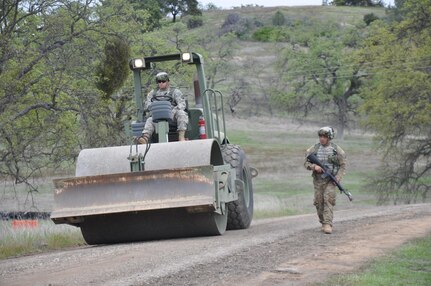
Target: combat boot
(327,228)
(181,135)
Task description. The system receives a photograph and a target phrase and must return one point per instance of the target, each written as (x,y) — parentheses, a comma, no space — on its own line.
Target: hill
(244,46)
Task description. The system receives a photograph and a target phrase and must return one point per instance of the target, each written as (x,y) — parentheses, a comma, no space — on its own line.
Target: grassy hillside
(347,15)
(251,64)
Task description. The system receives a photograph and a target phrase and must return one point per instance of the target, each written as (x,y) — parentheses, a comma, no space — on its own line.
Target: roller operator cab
(165,188)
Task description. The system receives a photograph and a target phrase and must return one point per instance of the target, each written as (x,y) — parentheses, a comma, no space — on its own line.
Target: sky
(226,4)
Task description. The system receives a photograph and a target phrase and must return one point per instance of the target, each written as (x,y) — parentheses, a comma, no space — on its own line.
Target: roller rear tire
(240,212)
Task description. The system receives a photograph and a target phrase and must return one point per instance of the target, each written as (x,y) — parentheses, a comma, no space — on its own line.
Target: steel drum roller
(113,160)
(173,197)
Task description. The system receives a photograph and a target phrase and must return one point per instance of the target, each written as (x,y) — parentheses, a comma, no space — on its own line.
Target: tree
(320,79)
(178,7)
(370,3)
(37,122)
(174,7)
(258,88)
(212,7)
(148,13)
(49,104)
(193,8)
(369,18)
(397,102)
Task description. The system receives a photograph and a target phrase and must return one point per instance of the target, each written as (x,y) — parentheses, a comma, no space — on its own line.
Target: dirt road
(282,251)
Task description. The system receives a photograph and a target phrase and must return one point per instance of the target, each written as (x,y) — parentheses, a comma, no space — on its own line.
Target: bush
(231,19)
(194,22)
(369,18)
(270,34)
(237,25)
(263,34)
(278,19)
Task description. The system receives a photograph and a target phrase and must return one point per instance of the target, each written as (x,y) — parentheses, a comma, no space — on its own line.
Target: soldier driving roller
(178,104)
(334,157)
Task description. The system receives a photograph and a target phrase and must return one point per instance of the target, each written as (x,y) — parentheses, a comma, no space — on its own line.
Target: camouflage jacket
(331,155)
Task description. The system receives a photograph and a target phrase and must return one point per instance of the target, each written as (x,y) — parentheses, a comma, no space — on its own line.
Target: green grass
(281,197)
(45,237)
(283,186)
(410,265)
(261,214)
(278,188)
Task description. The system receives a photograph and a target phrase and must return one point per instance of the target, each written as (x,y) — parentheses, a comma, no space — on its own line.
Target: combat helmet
(327,131)
(162,76)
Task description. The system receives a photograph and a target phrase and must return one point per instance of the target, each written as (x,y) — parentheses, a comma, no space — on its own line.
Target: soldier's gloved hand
(139,140)
(318,169)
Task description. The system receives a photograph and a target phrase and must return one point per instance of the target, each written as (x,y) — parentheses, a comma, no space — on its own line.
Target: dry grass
(46,236)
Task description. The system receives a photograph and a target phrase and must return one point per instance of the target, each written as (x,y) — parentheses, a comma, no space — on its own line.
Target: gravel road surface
(281,251)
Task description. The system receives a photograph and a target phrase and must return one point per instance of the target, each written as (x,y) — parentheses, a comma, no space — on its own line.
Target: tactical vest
(328,157)
(166,97)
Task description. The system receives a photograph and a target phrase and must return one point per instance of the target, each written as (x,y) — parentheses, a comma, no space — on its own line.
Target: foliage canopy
(397,103)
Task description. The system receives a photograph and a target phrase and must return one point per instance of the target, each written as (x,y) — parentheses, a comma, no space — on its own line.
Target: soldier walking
(331,155)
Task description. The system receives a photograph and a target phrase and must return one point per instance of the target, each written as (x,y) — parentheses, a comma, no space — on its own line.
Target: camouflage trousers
(324,200)
(179,116)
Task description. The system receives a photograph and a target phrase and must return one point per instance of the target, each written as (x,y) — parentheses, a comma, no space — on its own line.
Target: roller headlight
(137,64)
(187,57)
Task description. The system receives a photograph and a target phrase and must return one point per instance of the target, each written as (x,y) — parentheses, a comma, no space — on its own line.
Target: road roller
(165,188)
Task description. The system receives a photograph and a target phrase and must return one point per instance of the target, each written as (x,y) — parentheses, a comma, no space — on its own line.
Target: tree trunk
(340,132)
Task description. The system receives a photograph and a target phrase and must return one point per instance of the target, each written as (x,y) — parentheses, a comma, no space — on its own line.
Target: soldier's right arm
(147,102)
(307,164)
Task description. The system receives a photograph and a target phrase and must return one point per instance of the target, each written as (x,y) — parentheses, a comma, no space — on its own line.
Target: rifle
(312,158)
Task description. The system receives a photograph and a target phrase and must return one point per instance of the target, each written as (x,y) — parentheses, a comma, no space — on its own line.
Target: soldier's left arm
(179,99)
(343,161)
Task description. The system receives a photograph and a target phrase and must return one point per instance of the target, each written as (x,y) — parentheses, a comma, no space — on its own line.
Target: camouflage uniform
(178,103)
(324,190)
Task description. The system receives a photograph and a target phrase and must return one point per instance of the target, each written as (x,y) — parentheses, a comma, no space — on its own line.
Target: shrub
(237,25)
(231,19)
(194,22)
(278,19)
(369,18)
(263,34)
(270,34)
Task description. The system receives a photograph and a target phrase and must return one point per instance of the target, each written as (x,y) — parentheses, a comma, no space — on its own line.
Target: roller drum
(113,160)
(173,197)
